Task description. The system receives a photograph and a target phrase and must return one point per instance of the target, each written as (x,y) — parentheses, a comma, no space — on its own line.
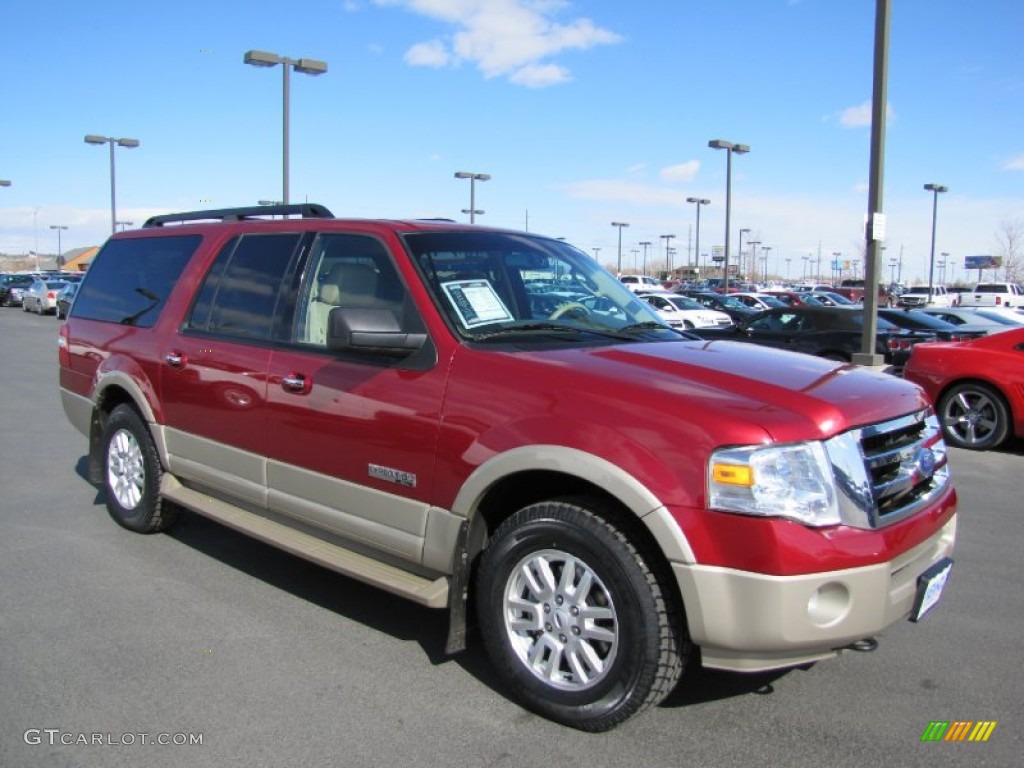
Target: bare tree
(1010,245)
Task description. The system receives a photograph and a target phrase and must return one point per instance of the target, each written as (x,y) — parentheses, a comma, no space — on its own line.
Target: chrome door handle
(295,382)
(176,359)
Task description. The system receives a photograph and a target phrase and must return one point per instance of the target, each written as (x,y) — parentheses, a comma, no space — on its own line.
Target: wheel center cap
(562,618)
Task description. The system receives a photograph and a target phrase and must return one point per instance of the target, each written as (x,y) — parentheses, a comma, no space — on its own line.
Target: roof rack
(306,210)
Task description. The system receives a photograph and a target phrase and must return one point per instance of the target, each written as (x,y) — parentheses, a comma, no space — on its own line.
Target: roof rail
(306,210)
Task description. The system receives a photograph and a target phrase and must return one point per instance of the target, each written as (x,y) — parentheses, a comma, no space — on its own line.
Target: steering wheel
(570,306)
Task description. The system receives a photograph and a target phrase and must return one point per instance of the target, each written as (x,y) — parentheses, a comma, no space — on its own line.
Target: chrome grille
(886,472)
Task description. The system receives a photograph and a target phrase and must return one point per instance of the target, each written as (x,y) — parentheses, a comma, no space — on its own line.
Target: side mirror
(370,330)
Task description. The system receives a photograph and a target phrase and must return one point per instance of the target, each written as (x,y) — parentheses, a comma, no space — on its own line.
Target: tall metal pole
(113,193)
(619,225)
(935,189)
(875,230)
(286,68)
(728,212)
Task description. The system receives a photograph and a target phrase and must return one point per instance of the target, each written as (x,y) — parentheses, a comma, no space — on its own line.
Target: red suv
(456,413)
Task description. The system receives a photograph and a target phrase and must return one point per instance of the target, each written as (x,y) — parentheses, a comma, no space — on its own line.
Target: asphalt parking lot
(121,641)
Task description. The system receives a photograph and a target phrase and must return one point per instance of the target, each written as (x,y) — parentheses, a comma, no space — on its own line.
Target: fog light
(829,604)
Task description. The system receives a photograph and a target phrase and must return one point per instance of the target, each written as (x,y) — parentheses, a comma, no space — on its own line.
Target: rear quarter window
(129,280)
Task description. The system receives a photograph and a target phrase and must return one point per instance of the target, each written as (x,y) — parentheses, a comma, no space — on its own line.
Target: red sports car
(977,387)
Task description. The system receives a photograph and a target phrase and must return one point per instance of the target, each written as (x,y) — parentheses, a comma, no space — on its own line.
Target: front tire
(577,623)
(131,474)
(974,416)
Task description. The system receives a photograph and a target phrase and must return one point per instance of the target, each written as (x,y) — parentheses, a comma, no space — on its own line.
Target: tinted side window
(129,280)
(239,294)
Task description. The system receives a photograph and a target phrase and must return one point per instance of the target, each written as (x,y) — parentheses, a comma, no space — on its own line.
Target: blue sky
(584,112)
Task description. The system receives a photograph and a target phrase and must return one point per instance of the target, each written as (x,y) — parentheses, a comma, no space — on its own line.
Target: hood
(755,393)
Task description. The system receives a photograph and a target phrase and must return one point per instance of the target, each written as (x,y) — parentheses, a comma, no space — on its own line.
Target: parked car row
(43,293)
(834,333)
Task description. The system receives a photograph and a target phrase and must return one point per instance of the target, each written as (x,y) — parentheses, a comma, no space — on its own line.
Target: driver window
(345,271)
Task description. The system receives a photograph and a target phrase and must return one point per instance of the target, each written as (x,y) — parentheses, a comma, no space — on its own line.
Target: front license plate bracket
(929,588)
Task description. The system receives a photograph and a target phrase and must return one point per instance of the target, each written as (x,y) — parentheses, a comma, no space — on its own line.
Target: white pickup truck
(917,296)
(994,295)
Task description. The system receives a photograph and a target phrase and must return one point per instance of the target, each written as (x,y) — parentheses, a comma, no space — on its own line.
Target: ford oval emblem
(925,462)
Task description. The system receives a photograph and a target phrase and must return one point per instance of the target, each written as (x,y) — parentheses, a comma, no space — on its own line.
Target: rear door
(214,370)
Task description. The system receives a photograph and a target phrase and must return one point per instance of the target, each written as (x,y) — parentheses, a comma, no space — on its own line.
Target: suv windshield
(494,284)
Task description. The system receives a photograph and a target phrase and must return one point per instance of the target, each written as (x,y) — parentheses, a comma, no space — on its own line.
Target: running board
(426,592)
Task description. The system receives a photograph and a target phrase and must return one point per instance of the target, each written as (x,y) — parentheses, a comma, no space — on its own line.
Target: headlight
(793,481)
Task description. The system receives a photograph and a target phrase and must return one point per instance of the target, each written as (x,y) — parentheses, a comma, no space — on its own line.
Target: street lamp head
(310,66)
(745,229)
(94,139)
(620,224)
(936,188)
(741,149)
(130,143)
(698,200)
(262,59)
(720,144)
(476,176)
(5,183)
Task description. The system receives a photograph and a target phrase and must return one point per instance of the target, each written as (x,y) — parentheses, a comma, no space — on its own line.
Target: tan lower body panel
(754,622)
(432,593)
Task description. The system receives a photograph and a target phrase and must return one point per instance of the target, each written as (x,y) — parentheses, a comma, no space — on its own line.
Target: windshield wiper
(646,325)
(528,328)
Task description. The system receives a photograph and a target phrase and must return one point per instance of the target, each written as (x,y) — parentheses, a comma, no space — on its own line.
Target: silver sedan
(41,296)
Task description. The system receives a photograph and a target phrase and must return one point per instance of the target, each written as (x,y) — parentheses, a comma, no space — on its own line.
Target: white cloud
(430,54)
(504,38)
(859,116)
(683,172)
(630,192)
(1015,163)
(539,75)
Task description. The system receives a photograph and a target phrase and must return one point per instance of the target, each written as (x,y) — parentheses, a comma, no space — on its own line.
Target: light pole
(620,225)
(668,258)
(788,259)
(59,228)
(597,254)
(124,224)
(698,202)
(892,271)
(803,274)
(127,143)
(935,189)
(729,148)
(645,244)
(473,179)
(307,67)
(752,277)
(634,251)
(952,269)
(837,266)
(739,255)
(764,263)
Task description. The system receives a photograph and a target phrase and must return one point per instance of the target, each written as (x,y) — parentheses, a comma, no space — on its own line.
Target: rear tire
(974,416)
(131,474)
(579,625)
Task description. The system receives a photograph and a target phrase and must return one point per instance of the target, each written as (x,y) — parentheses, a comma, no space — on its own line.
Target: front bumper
(752,622)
